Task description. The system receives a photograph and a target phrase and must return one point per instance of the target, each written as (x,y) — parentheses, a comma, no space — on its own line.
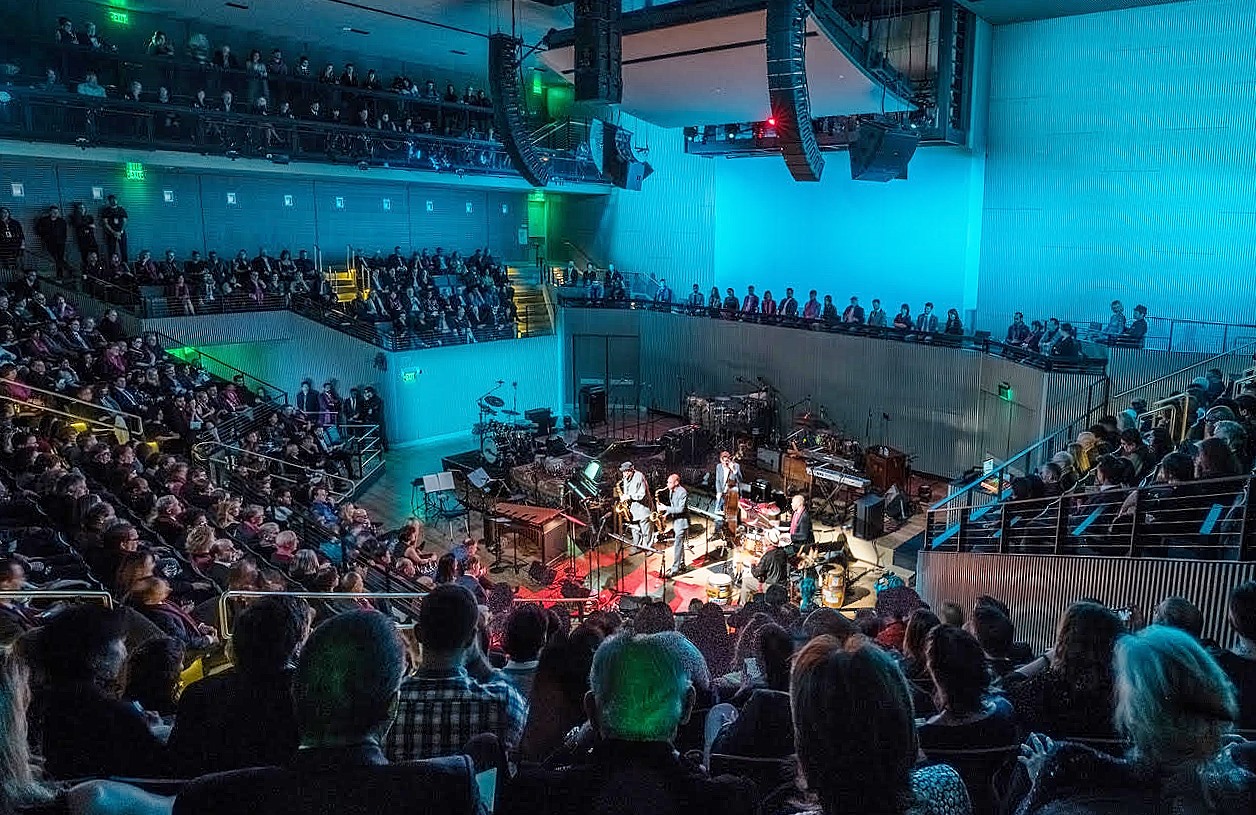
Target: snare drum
(719,589)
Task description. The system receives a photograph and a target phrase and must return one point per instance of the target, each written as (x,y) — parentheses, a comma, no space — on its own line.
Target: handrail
(139,420)
(241,452)
(95,423)
(59,594)
(272,390)
(233,594)
(1180,371)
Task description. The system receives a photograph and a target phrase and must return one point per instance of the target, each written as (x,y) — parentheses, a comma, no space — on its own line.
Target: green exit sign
(134,171)
(409,376)
(120,17)
(1006,393)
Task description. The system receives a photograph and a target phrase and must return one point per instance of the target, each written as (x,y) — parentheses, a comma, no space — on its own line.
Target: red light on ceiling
(771,121)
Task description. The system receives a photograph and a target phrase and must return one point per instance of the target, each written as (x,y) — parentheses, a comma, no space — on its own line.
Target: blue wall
(905,241)
(1120,164)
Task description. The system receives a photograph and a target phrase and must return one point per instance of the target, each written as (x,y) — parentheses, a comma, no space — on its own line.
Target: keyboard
(839,477)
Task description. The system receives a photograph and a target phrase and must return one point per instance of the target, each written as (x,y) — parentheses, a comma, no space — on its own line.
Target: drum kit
(505,442)
(724,416)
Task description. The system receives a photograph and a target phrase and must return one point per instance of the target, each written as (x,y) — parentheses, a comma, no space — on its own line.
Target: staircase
(535,318)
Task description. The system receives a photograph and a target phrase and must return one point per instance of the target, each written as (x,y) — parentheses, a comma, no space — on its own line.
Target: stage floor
(390,502)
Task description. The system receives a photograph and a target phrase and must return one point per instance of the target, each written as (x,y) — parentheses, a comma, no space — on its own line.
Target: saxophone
(622,508)
(659,517)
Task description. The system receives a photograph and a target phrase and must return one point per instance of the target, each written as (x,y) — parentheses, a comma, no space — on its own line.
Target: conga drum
(833,587)
(720,589)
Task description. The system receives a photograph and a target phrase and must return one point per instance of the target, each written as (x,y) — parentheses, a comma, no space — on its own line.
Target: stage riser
(1038,589)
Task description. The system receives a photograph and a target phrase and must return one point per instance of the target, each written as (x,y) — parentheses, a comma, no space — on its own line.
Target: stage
(392,500)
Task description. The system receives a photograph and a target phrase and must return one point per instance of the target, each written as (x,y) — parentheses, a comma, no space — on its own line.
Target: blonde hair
(148,590)
(1173,701)
(19,786)
(200,539)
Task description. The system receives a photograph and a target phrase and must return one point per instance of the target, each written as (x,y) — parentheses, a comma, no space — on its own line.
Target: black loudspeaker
(870,517)
(881,152)
(503,84)
(619,160)
(787,88)
(593,404)
(598,51)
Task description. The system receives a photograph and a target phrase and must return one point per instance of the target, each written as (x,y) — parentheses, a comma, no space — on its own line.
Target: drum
(720,589)
(833,587)
(696,407)
(492,454)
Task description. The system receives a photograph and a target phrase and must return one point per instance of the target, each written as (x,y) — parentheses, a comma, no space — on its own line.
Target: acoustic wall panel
(259,215)
(37,181)
(367,216)
(448,223)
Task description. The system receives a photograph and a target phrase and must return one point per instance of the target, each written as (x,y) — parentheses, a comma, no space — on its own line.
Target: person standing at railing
(114,217)
(12,240)
(328,405)
(53,231)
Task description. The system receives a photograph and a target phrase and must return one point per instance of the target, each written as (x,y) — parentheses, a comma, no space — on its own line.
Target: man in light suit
(727,475)
(633,488)
(677,508)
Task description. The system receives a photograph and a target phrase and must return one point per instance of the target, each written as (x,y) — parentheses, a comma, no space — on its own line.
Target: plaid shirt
(440,711)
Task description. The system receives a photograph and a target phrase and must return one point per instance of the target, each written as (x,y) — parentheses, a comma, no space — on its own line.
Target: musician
(676,504)
(801,535)
(727,476)
(633,491)
(771,570)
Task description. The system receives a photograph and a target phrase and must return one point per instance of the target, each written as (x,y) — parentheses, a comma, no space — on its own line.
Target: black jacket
(86,733)
(233,720)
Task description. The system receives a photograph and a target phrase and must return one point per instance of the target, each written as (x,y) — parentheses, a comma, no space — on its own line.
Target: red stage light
(771,121)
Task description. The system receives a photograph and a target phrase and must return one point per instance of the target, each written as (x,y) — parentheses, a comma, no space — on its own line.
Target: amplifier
(768,459)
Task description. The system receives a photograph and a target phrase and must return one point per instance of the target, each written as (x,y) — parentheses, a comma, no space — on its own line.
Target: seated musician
(771,570)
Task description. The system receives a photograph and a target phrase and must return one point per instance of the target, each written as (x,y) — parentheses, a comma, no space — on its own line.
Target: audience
(345,692)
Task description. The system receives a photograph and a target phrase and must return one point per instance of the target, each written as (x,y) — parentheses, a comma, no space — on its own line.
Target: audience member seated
(642,691)
(1239,662)
(344,694)
(760,727)
(1068,692)
(444,704)
(527,628)
(837,728)
(1174,705)
(243,717)
(556,704)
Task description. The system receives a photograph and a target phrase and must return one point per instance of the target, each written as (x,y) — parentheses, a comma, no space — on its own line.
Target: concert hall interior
(922,324)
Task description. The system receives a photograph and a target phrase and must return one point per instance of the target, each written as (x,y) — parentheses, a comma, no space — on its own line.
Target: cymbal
(510,413)
(810,420)
(495,401)
(488,411)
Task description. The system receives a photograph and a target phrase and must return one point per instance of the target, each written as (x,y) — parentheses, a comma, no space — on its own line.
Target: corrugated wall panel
(942,403)
(1125,170)
(259,216)
(375,217)
(505,214)
(1038,590)
(39,185)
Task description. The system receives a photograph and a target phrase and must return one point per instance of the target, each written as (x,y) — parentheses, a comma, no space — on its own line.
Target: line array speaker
(598,51)
(881,152)
(503,83)
(787,88)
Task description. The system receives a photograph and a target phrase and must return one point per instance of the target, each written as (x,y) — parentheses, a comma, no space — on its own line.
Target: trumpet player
(675,502)
(632,493)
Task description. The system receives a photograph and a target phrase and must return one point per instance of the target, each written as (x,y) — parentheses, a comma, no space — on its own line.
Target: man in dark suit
(801,535)
(642,691)
(344,695)
(243,717)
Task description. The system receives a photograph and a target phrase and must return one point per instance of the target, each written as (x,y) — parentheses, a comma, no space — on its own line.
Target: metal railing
(78,410)
(91,121)
(578,298)
(152,301)
(1176,381)
(36,595)
(1204,520)
(226,462)
(225,599)
(1179,334)
(385,335)
(260,388)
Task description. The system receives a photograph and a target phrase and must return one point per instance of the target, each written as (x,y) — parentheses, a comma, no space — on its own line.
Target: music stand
(438,490)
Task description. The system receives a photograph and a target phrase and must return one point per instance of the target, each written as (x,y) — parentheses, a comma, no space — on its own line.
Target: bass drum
(492,453)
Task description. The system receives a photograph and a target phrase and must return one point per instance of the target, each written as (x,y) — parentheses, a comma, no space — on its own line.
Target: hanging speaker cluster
(504,90)
(881,151)
(598,51)
(787,88)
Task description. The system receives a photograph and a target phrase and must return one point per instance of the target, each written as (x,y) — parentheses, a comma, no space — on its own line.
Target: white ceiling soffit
(715,72)
(1000,12)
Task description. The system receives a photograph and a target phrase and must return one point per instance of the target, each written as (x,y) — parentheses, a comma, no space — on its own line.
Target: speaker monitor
(503,79)
(598,51)
(787,88)
(869,517)
(881,152)
(593,405)
(619,161)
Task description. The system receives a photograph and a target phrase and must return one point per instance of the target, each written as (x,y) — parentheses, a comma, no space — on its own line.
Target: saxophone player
(633,491)
(675,502)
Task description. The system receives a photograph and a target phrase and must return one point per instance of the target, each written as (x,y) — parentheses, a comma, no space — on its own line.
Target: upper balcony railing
(1094,365)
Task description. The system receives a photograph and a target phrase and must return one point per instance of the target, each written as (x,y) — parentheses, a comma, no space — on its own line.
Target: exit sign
(120,17)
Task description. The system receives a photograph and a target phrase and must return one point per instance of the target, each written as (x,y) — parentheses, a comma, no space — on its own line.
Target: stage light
(771,121)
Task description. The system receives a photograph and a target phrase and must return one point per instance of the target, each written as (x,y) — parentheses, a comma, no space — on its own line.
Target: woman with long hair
(1068,693)
(856,739)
